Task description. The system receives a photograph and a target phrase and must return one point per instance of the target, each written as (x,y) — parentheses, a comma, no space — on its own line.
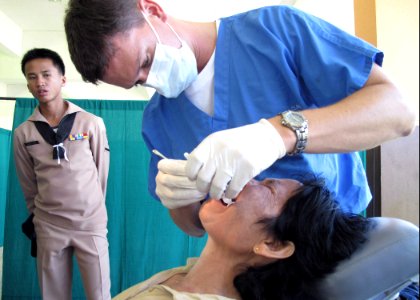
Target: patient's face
(235,225)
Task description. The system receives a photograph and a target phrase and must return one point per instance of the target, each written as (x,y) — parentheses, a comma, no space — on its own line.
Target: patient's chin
(212,207)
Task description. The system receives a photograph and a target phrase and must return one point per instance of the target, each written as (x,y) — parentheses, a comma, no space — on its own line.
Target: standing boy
(62,161)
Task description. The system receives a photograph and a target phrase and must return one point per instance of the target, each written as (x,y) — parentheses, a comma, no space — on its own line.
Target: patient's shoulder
(152,286)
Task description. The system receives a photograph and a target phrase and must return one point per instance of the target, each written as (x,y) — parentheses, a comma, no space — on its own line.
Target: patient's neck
(213,273)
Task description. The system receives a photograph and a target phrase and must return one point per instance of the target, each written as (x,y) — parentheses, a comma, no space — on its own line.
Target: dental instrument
(159,154)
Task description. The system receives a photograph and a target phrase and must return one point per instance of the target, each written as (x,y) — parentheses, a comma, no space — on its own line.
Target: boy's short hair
(43,53)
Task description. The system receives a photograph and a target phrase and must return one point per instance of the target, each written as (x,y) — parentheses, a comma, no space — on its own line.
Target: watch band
(302,139)
(296,121)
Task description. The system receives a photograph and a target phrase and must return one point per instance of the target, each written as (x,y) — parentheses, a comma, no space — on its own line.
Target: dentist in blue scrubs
(272,92)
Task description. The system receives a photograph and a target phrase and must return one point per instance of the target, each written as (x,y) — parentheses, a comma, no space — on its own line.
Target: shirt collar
(37,116)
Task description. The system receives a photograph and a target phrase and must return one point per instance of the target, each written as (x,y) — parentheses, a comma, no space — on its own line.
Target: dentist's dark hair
(43,53)
(89,24)
(323,236)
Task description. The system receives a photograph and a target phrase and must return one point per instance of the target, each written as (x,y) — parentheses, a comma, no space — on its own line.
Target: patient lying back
(276,241)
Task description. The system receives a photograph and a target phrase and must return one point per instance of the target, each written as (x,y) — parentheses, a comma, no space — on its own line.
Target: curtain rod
(8,98)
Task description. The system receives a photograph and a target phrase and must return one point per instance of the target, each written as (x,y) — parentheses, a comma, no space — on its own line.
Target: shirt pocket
(79,154)
(38,150)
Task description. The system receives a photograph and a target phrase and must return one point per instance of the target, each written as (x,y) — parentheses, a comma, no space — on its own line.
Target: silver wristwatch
(296,122)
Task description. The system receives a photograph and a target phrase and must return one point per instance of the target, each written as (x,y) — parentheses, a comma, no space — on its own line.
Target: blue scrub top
(267,61)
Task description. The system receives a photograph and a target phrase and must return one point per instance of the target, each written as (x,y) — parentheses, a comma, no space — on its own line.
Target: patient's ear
(274,249)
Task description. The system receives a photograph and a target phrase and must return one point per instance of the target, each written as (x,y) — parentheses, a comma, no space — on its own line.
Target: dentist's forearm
(374,114)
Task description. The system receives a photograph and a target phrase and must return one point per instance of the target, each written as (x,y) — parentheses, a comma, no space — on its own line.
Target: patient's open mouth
(227,201)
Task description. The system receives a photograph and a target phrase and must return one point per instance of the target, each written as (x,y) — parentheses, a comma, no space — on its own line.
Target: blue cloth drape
(143,239)
(5,136)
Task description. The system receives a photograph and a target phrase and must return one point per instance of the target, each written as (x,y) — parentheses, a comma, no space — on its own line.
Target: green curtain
(143,239)
(4,166)
(363,157)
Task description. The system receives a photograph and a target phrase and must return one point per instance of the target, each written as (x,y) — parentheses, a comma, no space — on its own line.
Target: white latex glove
(173,186)
(227,160)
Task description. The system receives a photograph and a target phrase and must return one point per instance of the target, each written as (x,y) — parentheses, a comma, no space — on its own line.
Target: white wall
(339,13)
(10,36)
(398,37)
(6,114)
(196,10)
(3,88)
(400,178)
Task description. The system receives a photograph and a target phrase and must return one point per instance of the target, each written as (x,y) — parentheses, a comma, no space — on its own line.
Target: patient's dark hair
(323,236)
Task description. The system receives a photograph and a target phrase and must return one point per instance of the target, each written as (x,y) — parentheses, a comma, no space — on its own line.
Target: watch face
(295,119)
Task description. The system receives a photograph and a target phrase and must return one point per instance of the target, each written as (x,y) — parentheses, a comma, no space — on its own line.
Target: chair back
(383,266)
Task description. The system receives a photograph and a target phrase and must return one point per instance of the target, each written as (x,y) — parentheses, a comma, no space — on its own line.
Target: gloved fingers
(205,177)
(219,184)
(235,186)
(168,194)
(178,198)
(177,191)
(172,166)
(175,182)
(194,165)
(240,179)
(170,204)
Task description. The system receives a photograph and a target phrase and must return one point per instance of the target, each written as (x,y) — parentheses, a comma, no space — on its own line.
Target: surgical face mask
(173,69)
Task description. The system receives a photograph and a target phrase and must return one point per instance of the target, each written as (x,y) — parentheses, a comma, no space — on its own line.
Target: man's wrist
(297,123)
(287,134)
